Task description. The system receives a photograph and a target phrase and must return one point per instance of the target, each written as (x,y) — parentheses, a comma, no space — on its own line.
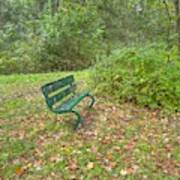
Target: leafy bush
(72,37)
(21,56)
(141,75)
(68,39)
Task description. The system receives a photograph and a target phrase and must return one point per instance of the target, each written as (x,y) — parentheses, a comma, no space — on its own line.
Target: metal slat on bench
(53,86)
(70,103)
(59,96)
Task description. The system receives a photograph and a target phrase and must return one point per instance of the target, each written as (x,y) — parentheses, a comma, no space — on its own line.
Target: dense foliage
(50,35)
(46,40)
(141,75)
(72,37)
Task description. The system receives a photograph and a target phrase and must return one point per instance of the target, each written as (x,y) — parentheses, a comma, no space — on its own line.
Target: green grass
(117,141)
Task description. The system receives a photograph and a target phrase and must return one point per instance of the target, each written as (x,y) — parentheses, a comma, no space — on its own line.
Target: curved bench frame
(56,91)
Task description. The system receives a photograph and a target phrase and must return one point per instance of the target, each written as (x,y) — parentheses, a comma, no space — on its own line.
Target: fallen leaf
(38,165)
(123,172)
(90,165)
(22,135)
(72,165)
(108,168)
(19,171)
(55,159)
(130,170)
(130,145)
(94,149)
(109,157)
(29,165)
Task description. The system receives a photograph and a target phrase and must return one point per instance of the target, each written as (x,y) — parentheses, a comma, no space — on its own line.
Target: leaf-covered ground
(115,142)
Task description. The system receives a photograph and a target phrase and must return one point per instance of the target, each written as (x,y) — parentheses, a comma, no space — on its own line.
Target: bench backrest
(55,91)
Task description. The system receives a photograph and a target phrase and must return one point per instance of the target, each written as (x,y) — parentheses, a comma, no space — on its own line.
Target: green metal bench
(61,97)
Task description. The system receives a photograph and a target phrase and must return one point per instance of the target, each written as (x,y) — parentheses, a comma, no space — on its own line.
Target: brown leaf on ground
(94,149)
(130,146)
(106,140)
(130,170)
(72,165)
(169,167)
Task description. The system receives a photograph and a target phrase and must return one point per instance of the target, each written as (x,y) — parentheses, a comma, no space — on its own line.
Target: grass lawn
(116,141)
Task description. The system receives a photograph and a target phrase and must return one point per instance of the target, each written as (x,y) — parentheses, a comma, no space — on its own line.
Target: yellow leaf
(90,165)
(19,171)
(123,172)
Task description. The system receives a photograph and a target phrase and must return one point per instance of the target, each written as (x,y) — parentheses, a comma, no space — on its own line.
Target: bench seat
(71,102)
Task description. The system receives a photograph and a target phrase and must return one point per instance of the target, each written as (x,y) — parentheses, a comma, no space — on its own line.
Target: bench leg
(79,119)
(92,102)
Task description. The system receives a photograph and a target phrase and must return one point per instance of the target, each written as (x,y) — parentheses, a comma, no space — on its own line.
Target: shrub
(141,75)
(21,56)
(68,39)
(72,37)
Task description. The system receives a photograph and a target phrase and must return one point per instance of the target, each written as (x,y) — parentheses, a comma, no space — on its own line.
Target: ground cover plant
(141,75)
(116,141)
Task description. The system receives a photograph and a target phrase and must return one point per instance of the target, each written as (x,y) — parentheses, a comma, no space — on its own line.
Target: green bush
(21,56)
(72,37)
(68,39)
(141,75)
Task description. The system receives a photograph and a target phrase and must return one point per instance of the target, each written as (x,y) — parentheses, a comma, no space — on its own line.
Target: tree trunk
(55,6)
(40,4)
(177,8)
